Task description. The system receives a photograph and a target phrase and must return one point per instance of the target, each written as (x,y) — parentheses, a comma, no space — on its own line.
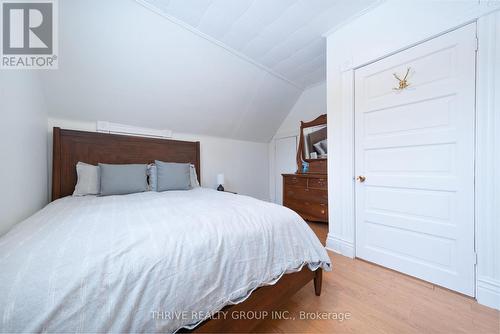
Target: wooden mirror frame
(315,165)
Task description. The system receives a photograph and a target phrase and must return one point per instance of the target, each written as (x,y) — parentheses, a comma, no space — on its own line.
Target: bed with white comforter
(144,262)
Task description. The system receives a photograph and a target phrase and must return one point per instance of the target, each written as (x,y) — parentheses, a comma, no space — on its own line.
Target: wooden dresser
(307,194)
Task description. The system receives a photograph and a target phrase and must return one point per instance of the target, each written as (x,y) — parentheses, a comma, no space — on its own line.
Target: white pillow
(152,177)
(193,177)
(88,182)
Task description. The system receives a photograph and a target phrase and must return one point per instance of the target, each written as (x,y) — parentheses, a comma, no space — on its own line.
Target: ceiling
(282,36)
(123,63)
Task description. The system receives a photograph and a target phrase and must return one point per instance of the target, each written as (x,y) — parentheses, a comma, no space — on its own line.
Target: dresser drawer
(319,183)
(317,210)
(309,210)
(305,194)
(296,181)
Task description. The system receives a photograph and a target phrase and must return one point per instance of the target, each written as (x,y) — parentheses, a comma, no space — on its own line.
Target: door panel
(415,211)
(423,115)
(286,151)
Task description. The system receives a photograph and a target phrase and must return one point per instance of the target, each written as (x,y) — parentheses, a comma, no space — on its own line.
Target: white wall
(245,164)
(389,28)
(123,63)
(23,168)
(311,104)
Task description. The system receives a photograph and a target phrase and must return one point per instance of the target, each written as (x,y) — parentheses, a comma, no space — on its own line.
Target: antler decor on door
(403,83)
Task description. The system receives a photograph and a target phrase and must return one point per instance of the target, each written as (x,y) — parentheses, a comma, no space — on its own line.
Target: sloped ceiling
(120,62)
(285,36)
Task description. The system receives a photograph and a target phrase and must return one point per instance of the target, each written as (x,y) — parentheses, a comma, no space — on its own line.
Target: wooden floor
(321,230)
(380,301)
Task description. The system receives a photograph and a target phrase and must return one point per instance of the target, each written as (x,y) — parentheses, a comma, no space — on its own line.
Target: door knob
(361,178)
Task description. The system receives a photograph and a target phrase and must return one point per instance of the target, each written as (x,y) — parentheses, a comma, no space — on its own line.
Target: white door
(415,146)
(286,152)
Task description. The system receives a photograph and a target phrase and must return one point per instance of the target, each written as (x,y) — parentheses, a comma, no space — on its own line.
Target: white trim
(340,246)
(215,41)
(488,292)
(108,127)
(348,190)
(341,199)
(488,161)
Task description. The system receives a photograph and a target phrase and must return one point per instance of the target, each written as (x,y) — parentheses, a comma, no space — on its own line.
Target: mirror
(313,150)
(315,142)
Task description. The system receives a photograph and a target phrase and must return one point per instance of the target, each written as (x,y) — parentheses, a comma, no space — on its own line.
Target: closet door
(415,161)
(286,153)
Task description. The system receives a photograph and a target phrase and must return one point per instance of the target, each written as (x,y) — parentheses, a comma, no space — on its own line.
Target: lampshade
(220,179)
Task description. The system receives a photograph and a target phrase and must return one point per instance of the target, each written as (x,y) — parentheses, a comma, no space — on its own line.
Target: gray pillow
(122,179)
(172,176)
(324,145)
(319,149)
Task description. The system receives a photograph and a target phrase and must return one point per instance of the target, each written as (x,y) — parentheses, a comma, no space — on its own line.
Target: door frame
(469,27)
(340,100)
(346,207)
(273,166)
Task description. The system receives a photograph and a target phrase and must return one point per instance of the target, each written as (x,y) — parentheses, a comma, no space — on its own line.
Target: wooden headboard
(92,147)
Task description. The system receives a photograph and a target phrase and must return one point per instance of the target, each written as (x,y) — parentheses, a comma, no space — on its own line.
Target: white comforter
(146,262)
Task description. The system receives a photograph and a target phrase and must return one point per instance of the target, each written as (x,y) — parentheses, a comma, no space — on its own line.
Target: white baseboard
(488,292)
(340,246)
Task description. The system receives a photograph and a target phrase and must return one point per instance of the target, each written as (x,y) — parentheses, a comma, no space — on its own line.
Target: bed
(149,262)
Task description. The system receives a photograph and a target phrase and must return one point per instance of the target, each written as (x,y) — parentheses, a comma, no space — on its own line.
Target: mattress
(147,262)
